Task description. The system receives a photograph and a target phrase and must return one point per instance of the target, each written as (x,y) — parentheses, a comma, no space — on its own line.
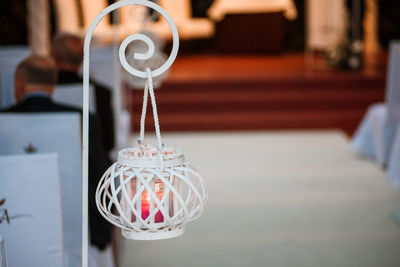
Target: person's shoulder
(62,107)
(13,108)
(5,110)
(100,86)
(67,108)
(67,77)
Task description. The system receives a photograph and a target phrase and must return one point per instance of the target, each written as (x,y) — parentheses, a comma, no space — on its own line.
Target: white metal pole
(117,103)
(85,121)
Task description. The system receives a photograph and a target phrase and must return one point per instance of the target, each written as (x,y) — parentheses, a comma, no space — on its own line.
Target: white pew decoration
(374,137)
(154,192)
(393,79)
(52,133)
(393,170)
(10,57)
(30,214)
(71,95)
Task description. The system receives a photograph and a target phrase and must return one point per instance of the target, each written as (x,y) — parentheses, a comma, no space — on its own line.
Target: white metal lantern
(149,197)
(150,192)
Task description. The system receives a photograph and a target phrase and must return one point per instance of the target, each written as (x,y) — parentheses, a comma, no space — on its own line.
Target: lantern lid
(148,156)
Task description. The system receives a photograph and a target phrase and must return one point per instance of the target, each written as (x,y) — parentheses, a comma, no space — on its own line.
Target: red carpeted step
(222,98)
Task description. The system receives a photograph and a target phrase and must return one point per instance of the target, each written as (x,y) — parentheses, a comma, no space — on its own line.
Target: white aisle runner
(280,199)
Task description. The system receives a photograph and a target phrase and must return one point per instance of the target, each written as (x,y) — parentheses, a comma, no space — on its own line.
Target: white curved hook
(139,56)
(141,74)
(149,42)
(142,37)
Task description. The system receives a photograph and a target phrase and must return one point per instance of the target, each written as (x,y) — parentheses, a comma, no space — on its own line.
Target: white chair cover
(393,83)
(102,65)
(362,141)
(9,58)
(49,133)
(393,170)
(32,200)
(71,95)
(374,137)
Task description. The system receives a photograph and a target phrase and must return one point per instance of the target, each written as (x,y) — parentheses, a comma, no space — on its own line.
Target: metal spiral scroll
(150,44)
(138,36)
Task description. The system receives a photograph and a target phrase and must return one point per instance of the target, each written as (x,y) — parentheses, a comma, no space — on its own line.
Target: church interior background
(283,104)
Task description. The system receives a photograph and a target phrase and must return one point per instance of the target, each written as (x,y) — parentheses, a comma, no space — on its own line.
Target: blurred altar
(290,108)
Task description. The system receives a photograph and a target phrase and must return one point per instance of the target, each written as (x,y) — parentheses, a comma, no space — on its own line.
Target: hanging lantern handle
(149,90)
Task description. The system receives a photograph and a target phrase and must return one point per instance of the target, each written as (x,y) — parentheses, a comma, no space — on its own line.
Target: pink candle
(145,205)
(159,190)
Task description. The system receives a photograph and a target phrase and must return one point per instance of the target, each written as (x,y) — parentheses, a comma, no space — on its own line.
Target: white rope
(154,105)
(143,117)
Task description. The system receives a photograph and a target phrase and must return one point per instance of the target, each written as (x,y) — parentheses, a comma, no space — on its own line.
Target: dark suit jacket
(103,105)
(100,229)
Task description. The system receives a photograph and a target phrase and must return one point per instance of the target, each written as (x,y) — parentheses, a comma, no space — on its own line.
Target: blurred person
(35,80)
(67,50)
